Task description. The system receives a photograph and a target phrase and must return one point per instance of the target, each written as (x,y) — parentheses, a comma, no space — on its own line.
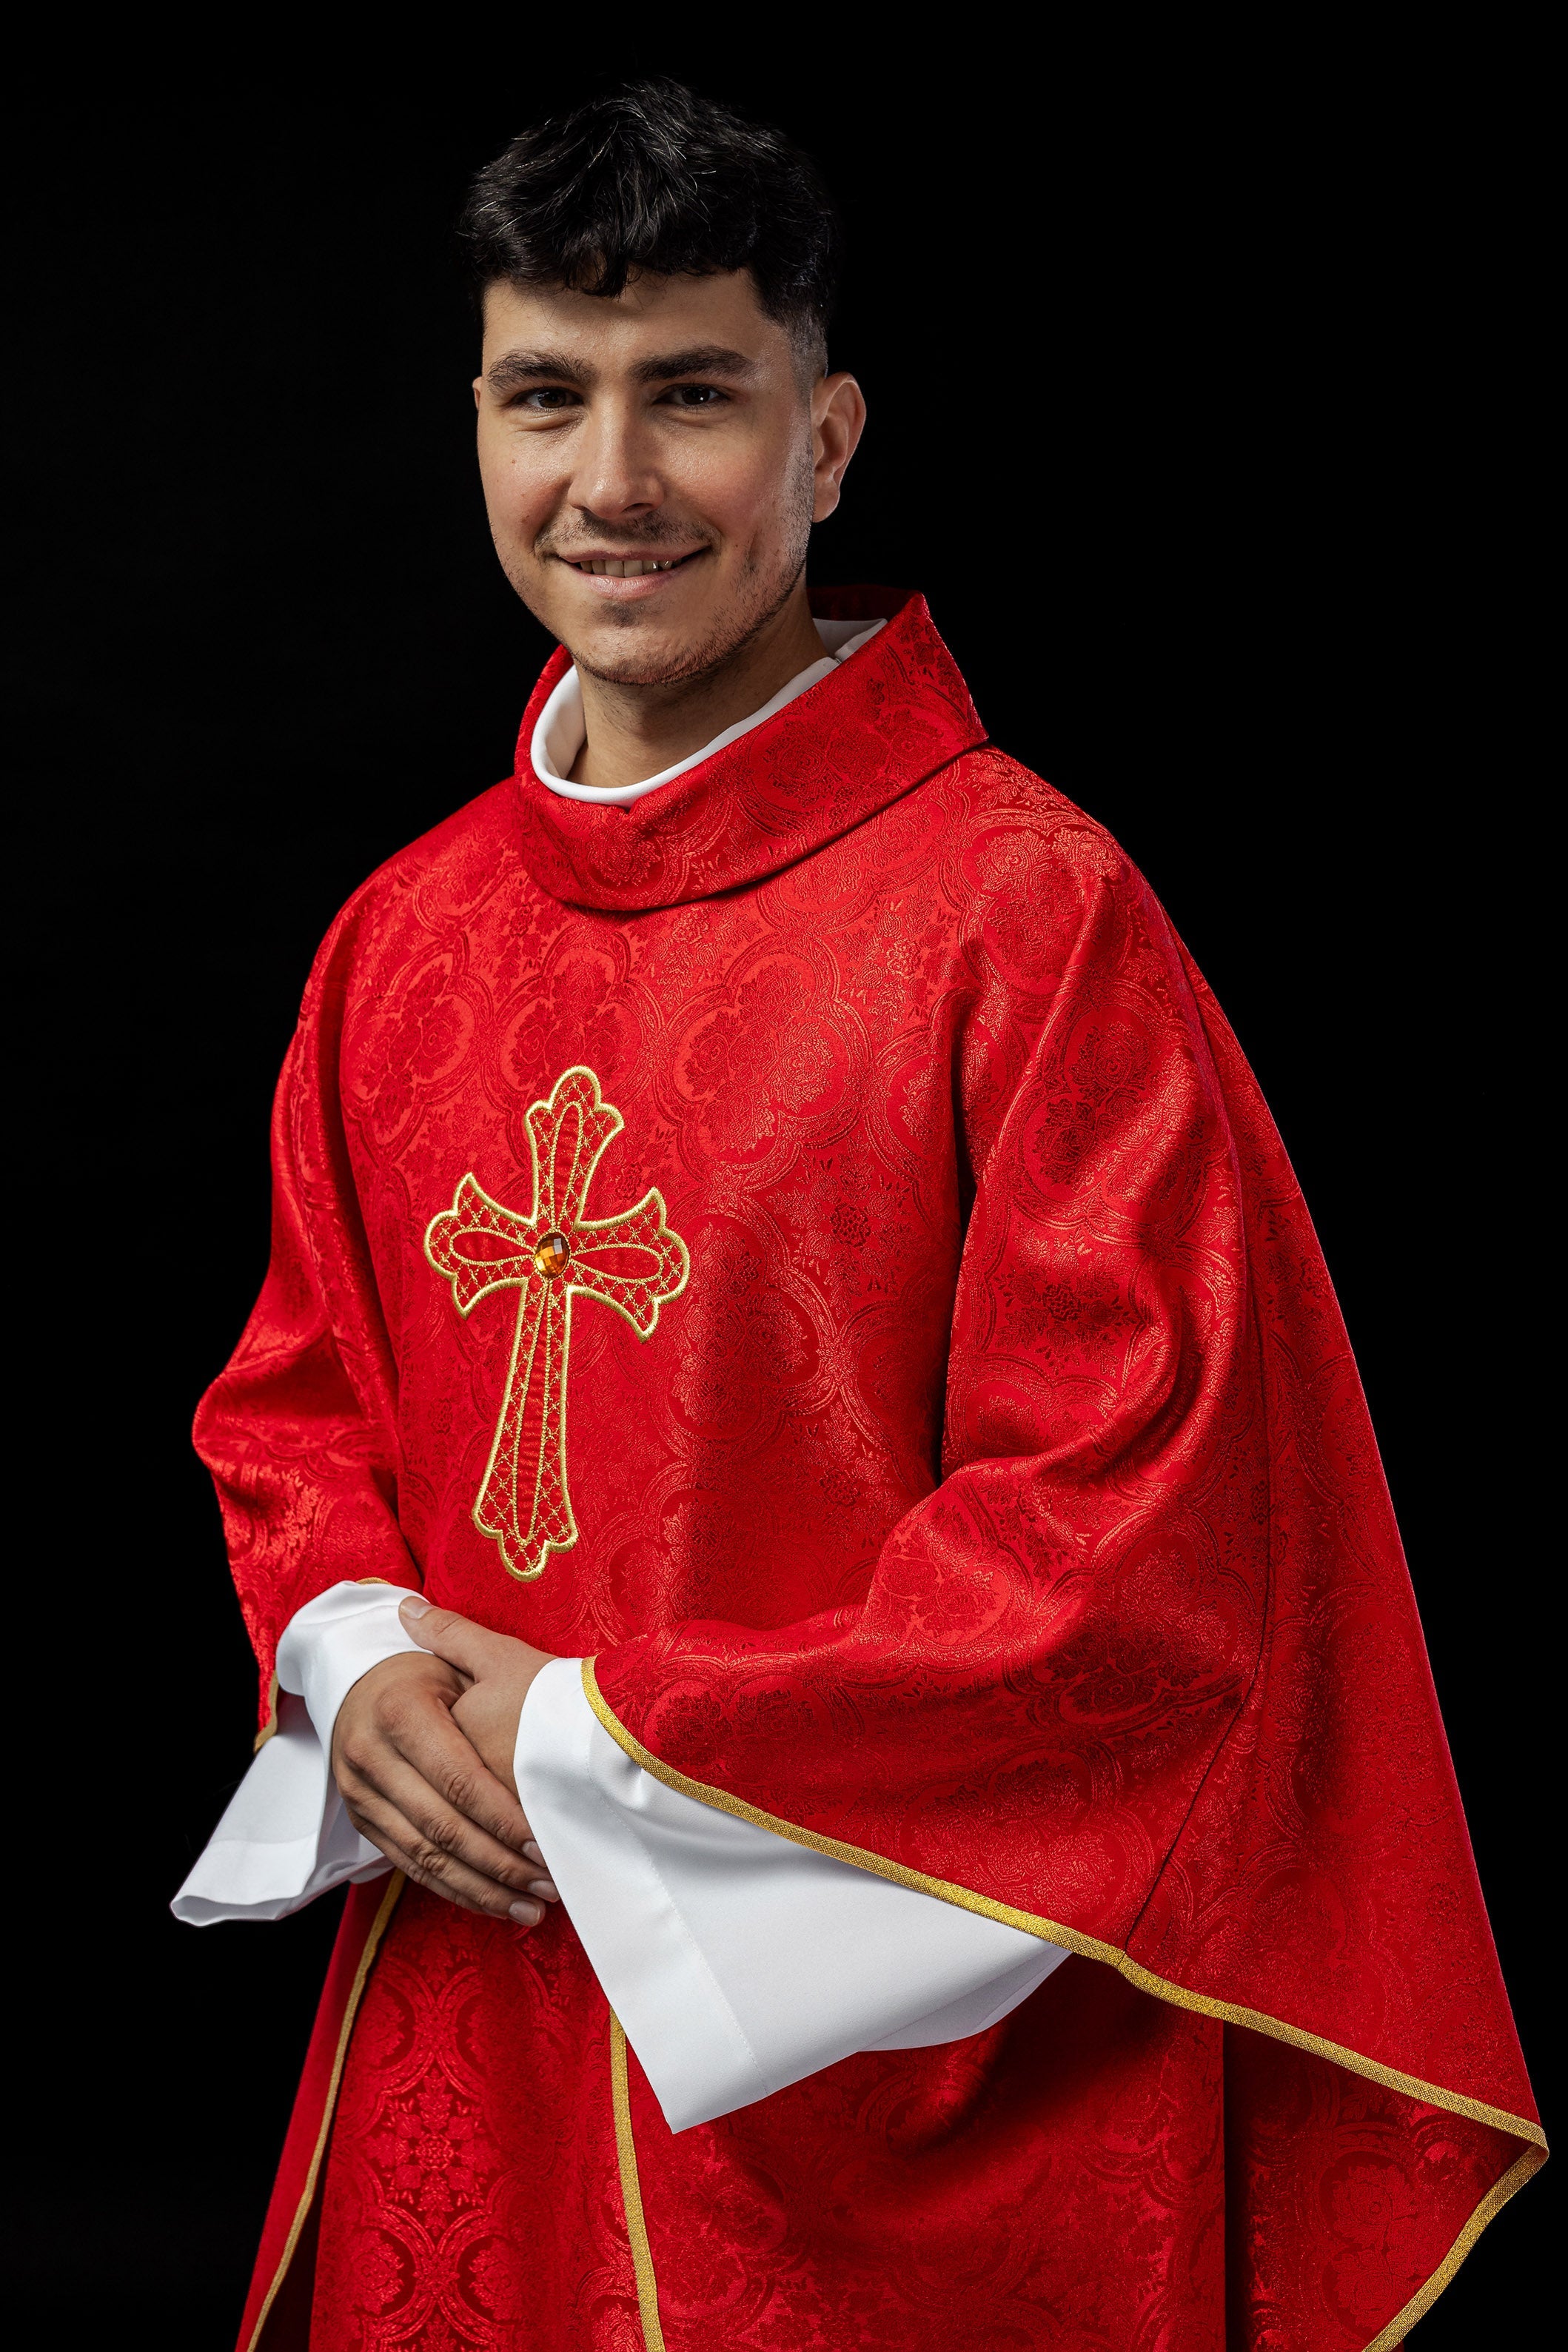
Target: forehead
(609,333)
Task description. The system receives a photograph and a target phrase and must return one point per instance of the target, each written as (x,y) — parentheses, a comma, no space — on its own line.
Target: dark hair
(651,177)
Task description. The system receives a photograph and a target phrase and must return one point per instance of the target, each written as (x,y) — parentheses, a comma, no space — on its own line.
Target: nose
(616,477)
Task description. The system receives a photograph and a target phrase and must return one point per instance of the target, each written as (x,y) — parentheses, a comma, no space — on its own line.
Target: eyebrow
(516,368)
(513,370)
(702,359)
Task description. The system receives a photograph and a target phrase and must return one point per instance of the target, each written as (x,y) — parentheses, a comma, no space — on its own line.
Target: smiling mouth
(628,567)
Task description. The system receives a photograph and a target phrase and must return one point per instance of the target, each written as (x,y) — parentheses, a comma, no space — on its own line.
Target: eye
(544,397)
(693,395)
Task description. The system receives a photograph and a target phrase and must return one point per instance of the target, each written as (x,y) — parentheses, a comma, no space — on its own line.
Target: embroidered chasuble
(808,1244)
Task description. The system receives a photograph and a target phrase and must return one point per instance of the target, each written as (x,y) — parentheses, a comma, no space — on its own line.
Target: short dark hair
(651,177)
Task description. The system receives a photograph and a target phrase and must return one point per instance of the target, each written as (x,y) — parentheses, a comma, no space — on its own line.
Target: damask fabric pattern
(463,2217)
(471,2195)
(996,1507)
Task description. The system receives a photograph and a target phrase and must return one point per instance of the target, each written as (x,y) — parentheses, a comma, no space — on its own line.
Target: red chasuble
(809,1242)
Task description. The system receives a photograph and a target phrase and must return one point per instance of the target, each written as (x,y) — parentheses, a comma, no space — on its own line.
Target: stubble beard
(763,592)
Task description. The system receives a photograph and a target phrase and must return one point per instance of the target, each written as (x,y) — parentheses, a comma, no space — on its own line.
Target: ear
(837,421)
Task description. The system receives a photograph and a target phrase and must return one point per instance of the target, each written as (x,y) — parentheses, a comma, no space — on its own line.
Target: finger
(418,1726)
(461,1643)
(397,1786)
(521,1914)
(435,1744)
(433,1865)
(436,1748)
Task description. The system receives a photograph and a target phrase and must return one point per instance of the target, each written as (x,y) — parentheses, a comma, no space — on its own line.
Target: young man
(828,1574)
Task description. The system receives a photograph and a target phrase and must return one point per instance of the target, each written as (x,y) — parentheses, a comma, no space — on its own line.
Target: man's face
(652,465)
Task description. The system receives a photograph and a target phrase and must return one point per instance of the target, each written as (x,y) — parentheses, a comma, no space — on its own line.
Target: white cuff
(736,1960)
(286,1837)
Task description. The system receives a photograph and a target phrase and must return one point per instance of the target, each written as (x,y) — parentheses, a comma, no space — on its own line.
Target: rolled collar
(884,720)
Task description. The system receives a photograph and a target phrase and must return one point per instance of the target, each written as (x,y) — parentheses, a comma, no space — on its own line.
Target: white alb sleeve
(286,1837)
(737,1960)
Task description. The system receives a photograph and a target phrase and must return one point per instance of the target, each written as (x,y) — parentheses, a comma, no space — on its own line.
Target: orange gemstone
(551,1254)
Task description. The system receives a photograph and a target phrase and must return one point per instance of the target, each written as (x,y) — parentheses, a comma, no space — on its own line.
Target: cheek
(751,494)
(517,497)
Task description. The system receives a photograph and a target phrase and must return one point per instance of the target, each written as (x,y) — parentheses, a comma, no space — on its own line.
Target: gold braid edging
(1165,1989)
(377,1929)
(1490,2206)
(631,2190)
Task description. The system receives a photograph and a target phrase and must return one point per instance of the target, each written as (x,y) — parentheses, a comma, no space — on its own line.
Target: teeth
(628,567)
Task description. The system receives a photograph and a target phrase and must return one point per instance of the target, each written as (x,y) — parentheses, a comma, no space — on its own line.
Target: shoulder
(1030,869)
(996,797)
(424,895)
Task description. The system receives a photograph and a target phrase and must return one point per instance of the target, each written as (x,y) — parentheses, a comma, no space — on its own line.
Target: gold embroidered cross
(633,1262)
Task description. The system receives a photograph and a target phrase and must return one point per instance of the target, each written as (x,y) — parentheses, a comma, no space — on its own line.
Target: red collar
(890,717)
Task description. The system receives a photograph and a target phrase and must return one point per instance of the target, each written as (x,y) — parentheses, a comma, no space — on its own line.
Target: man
(802,1477)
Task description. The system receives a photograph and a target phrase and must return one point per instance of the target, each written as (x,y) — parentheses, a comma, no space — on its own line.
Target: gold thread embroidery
(377,1929)
(631,2190)
(1053,1931)
(524,1504)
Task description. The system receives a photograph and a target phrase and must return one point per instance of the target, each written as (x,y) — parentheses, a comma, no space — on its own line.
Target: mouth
(628,567)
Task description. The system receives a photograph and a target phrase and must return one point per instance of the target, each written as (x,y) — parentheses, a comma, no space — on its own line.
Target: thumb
(457,1639)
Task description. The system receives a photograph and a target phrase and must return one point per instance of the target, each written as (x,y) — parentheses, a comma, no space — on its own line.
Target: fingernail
(527,1915)
(414,1609)
(531,1852)
(545,1887)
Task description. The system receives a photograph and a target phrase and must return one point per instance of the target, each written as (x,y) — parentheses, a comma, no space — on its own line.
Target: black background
(1199,390)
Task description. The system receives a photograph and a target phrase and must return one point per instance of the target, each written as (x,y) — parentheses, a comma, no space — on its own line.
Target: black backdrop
(1195,410)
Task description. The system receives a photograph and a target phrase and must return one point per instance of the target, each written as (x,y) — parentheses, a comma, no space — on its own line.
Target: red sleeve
(300,1431)
(1144,1670)
(1055,1638)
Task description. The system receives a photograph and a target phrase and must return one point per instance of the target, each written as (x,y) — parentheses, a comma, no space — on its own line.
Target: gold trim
(1161,1988)
(1053,1931)
(271,1726)
(1490,2206)
(377,1929)
(631,2190)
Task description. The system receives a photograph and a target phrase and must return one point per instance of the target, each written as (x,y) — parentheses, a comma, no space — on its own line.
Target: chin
(625,655)
(620,664)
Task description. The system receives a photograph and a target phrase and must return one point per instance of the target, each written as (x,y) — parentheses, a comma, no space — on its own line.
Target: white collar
(560,731)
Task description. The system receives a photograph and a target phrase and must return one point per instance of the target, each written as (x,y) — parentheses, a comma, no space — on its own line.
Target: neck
(633,732)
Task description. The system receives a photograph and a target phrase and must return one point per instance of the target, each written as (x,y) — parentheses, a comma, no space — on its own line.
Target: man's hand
(423,1789)
(497,1672)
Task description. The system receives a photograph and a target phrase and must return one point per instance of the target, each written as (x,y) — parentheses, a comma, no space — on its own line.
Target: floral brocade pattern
(461,2216)
(920,2202)
(998,1499)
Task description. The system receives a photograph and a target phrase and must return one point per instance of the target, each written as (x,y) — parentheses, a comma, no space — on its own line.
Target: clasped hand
(422,1750)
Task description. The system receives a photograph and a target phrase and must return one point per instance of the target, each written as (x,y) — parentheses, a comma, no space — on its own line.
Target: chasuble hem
(631,2193)
(345,2034)
(1056,1931)
(1492,2205)
(1389,2337)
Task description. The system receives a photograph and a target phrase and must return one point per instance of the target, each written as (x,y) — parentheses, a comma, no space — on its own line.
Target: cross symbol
(633,1263)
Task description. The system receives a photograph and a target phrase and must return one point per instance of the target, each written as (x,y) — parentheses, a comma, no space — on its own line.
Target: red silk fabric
(1072,2178)
(980,1480)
